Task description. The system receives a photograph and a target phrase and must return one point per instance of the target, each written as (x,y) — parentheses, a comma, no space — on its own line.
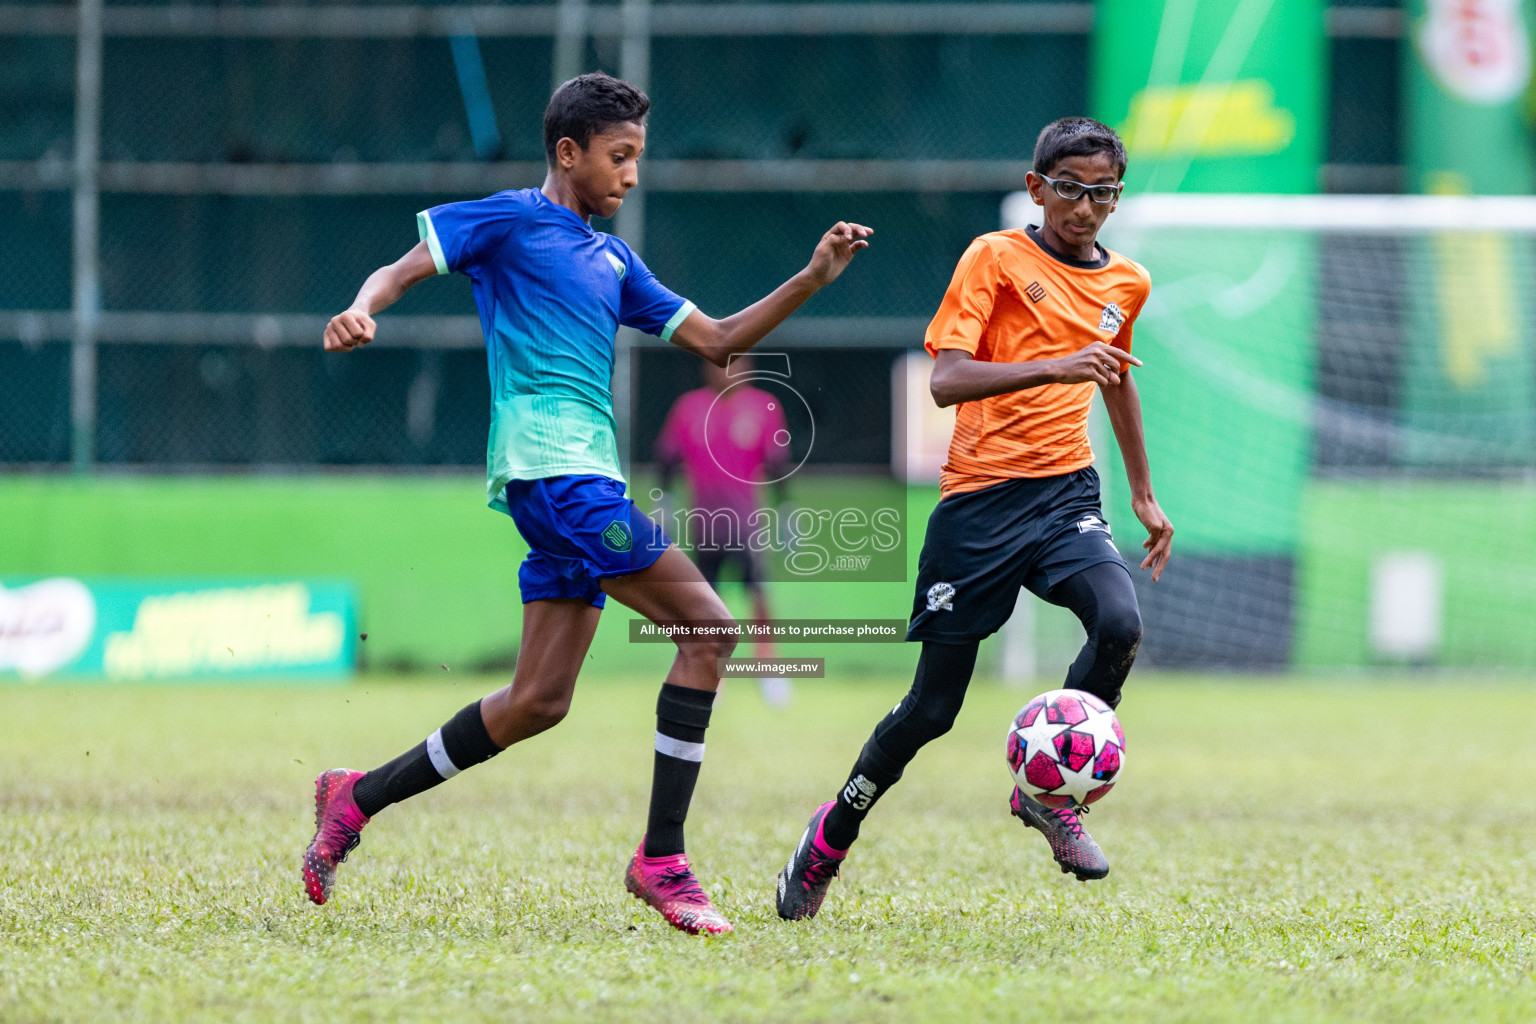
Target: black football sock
(682,715)
(873,773)
(461,743)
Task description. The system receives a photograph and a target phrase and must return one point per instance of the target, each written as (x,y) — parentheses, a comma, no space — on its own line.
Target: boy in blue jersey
(552,293)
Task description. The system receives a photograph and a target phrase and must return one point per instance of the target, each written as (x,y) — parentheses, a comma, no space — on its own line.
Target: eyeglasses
(1069,189)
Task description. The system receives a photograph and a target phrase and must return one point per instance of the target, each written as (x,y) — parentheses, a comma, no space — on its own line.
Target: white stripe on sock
(439,755)
(680,749)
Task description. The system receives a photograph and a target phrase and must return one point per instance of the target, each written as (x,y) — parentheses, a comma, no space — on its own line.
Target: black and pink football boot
(1073,848)
(803,882)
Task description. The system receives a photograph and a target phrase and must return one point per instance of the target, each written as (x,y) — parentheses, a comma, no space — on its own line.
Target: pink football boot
(338,828)
(667,883)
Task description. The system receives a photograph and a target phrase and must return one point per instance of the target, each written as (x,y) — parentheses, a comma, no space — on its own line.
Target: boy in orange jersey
(1032,321)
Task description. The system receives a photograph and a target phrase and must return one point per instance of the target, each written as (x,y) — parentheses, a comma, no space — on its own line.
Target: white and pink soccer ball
(1066,748)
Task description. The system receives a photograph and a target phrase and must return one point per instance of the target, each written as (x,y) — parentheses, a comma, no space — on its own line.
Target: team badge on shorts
(941,597)
(1111,319)
(1092,522)
(616,536)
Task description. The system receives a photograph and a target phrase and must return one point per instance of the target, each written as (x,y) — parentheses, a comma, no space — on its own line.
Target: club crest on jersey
(1111,319)
(616,263)
(941,598)
(616,536)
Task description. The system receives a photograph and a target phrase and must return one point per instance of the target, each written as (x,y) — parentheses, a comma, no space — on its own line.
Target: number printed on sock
(860,793)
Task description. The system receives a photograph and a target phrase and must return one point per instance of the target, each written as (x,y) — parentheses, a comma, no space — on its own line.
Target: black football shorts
(982,546)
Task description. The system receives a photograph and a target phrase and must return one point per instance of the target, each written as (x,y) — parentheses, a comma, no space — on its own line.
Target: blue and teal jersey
(552,293)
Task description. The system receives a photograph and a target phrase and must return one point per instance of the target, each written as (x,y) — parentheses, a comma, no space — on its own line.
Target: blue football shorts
(580,529)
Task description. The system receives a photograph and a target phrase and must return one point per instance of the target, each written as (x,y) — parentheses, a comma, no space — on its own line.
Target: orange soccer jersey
(1012,300)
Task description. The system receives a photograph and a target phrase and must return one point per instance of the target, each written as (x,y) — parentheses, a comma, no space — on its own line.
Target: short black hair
(1077,136)
(588,104)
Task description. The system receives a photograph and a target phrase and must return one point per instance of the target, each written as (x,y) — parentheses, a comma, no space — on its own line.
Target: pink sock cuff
(826,848)
(666,860)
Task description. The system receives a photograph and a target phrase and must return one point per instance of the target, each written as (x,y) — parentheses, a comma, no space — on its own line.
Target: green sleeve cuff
(677,318)
(428,234)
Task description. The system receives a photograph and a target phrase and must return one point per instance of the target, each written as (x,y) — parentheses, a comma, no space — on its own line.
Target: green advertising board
(1469,381)
(1467,90)
(1213,95)
(1220,96)
(126,630)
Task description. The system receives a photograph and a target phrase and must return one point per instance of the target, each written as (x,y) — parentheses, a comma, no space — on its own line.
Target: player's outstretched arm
(718,340)
(958,377)
(1124,406)
(355,326)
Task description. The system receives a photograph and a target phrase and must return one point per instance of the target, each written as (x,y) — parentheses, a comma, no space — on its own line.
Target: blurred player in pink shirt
(732,441)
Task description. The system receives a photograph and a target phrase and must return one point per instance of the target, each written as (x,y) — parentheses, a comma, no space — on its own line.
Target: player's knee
(709,649)
(537,711)
(933,719)
(549,712)
(1119,638)
(1119,630)
(935,726)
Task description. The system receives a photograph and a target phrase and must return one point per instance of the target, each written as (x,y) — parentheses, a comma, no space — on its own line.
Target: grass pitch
(1281,851)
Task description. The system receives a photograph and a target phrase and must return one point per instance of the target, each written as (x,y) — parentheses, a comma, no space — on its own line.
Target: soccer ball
(1066,748)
